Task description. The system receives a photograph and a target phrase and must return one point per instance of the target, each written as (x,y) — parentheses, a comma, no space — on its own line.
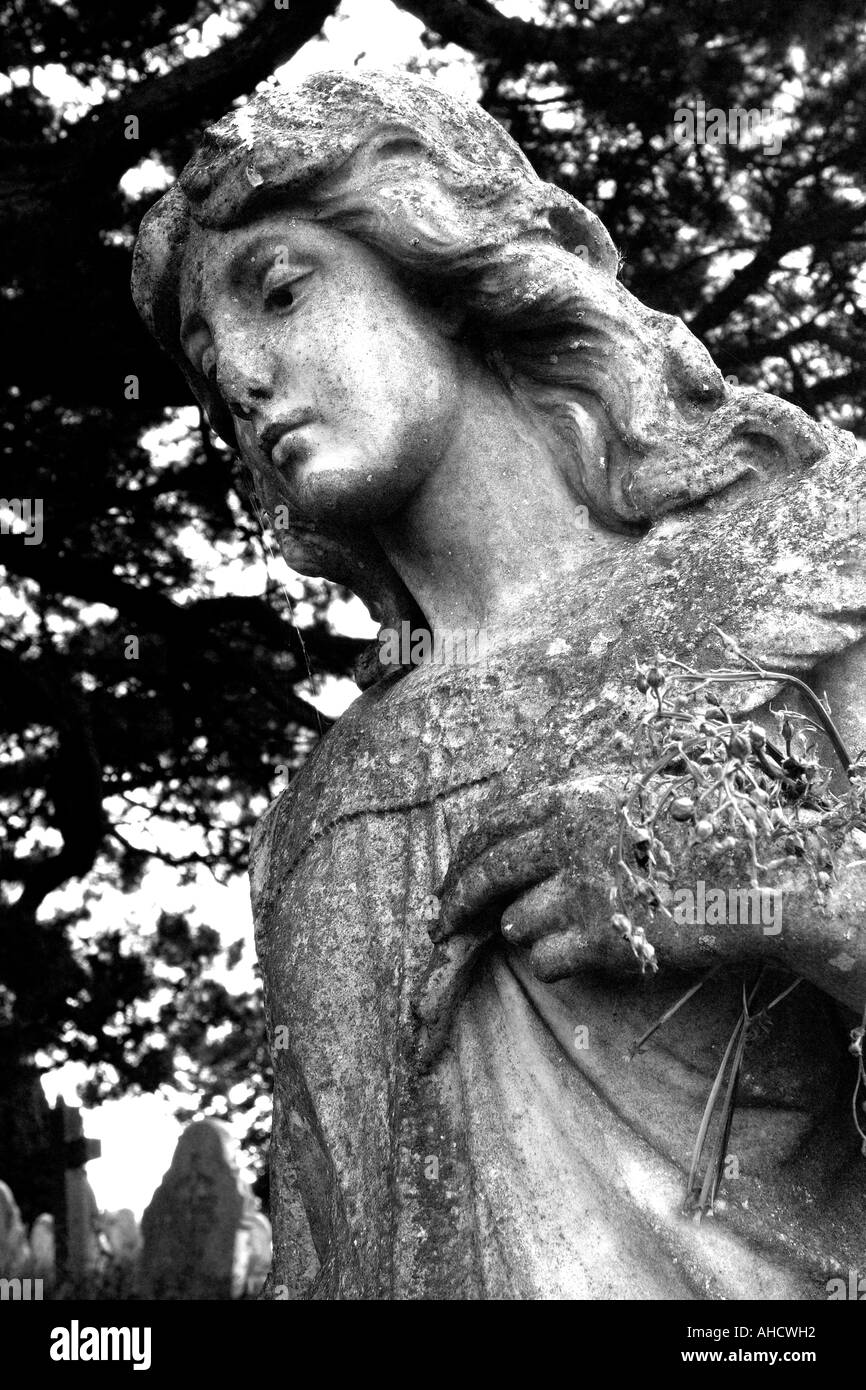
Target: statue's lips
(280,440)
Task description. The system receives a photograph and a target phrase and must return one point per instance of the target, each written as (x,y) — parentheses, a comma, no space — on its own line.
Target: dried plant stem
(669,1013)
(731,1065)
(858,1035)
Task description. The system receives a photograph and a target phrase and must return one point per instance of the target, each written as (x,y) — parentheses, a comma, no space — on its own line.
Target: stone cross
(77,1248)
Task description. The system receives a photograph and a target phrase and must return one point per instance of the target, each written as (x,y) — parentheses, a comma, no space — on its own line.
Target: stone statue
(450,404)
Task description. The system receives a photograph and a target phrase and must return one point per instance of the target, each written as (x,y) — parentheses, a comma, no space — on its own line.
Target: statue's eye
(278,294)
(280,297)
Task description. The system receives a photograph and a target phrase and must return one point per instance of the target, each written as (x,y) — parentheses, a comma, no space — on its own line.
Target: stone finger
(546,908)
(560,955)
(475,899)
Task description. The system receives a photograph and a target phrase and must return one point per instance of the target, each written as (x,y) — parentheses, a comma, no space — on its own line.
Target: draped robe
(474,1147)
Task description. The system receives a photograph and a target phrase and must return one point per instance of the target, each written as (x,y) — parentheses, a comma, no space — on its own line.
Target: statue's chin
(339,486)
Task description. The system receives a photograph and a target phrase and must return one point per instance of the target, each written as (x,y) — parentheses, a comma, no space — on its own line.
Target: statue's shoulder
(369,761)
(436,733)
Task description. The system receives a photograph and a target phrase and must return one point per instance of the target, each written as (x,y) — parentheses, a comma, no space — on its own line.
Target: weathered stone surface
(545,1179)
(295,1262)
(189,1230)
(42,1248)
(450,404)
(120,1249)
(252,1255)
(14,1249)
(122,1235)
(82,1223)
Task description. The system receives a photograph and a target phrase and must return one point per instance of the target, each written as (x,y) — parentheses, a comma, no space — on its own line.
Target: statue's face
(329,366)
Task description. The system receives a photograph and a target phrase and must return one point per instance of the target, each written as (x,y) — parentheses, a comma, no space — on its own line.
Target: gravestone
(120,1242)
(14,1249)
(189,1229)
(42,1250)
(252,1255)
(121,1235)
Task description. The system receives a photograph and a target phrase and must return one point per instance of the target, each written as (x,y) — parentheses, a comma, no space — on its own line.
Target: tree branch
(810,230)
(94,581)
(479,27)
(95,150)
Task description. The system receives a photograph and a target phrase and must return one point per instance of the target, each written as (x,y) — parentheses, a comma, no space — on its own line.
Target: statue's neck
(495,526)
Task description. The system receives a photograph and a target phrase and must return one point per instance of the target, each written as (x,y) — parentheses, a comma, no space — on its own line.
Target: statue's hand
(540,872)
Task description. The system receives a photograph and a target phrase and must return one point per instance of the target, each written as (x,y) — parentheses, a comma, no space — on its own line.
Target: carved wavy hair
(445,195)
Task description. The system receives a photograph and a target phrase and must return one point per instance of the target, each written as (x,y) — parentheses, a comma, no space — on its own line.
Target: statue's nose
(244,379)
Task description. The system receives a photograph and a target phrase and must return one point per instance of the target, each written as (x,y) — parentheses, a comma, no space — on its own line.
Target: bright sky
(138,1134)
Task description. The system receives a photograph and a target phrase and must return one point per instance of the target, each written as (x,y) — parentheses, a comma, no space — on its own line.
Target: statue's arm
(546,885)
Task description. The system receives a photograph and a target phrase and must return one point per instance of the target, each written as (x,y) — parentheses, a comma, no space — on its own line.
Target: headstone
(42,1249)
(252,1255)
(122,1235)
(120,1241)
(14,1249)
(189,1228)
